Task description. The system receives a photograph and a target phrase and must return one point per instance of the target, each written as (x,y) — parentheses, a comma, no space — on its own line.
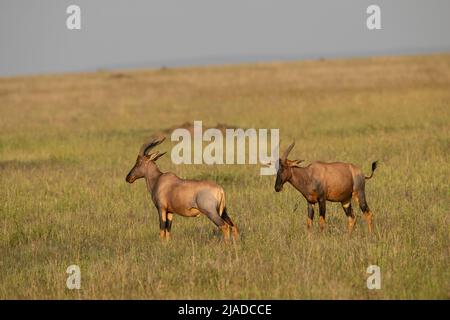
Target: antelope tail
(374,167)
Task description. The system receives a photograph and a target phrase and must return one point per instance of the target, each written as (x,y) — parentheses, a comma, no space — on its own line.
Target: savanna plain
(68,141)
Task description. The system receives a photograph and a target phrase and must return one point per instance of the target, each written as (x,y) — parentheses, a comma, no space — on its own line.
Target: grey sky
(151,33)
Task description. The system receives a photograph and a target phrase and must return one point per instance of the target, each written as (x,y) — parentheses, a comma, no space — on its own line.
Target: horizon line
(227,60)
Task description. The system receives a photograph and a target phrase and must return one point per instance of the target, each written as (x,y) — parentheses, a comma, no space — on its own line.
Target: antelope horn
(150,145)
(286,153)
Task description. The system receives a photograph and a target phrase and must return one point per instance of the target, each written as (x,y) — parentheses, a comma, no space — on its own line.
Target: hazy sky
(149,33)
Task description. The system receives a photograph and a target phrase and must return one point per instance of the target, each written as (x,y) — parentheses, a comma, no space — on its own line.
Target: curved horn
(286,153)
(148,146)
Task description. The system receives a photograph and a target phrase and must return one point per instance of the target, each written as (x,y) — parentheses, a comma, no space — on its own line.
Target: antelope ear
(155,156)
(295,163)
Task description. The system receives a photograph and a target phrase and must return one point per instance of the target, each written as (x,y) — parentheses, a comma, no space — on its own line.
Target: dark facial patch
(133,174)
(281,176)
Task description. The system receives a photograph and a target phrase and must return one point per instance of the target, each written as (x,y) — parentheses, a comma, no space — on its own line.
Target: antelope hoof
(322,223)
(369,218)
(235,233)
(351,224)
(226,232)
(309,223)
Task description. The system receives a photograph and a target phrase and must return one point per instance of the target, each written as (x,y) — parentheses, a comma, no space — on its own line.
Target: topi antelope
(320,181)
(188,198)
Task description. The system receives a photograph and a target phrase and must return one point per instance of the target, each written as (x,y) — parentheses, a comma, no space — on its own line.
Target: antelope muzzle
(278,184)
(130,177)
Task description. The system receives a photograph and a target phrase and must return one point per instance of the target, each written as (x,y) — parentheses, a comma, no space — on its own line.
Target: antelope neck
(299,178)
(151,176)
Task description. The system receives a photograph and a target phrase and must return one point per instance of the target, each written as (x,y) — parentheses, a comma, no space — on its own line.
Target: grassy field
(67,142)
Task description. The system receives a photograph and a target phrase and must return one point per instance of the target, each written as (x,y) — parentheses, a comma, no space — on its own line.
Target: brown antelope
(320,181)
(188,198)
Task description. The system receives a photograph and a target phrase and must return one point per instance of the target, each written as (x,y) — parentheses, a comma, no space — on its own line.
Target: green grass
(67,142)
